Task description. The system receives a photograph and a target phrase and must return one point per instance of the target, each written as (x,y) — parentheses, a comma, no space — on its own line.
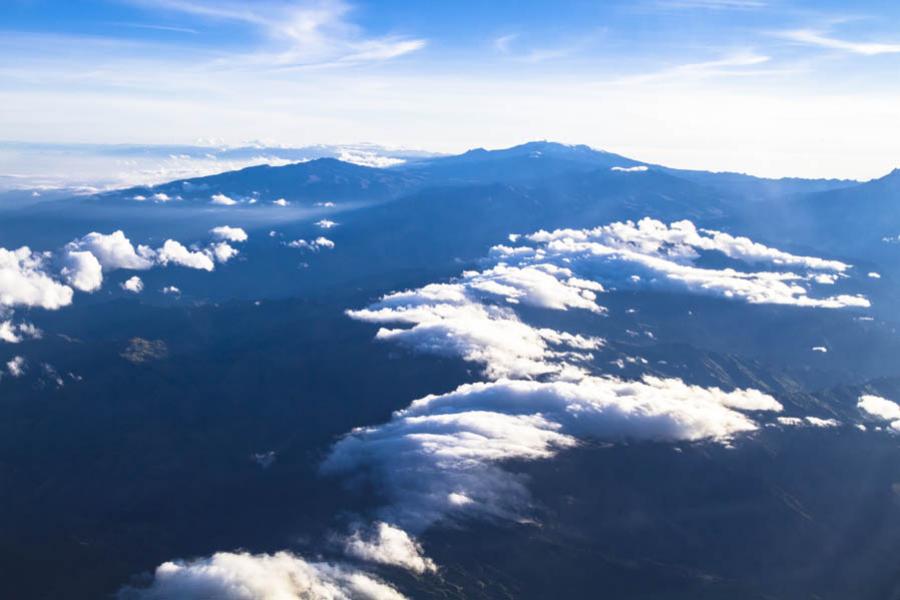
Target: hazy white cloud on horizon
(671,107)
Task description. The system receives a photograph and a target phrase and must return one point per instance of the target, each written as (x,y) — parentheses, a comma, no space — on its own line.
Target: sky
(768,87)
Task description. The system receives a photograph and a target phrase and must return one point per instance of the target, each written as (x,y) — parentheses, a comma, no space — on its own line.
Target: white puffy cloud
(13,333)
(222,200)
(389,545)
(176,253)
(280,202)
(114,251)
(445,320)
(16,366)
(242,576)
(23,281)
(229,234)
(315,245)
(160,197)
(635,169)
(667,255)
(223,252)
(171,289)
(880,408)
(326,224)
(449,453)
(819,422)
(444,452)
(369,159)
(874,275)
(133,285)
(82,270)
(821,349)
(808,421)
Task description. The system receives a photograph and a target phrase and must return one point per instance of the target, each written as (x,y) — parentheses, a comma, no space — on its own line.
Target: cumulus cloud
(881,409)
(489,335)
(636,169)
(242,576)
(443,453)
(819,422)
(82,270)
(808,421)
(114,251)
(133,285)
(667,254)
(160,197)
(449,454)
(222,200)
(176,253)
(314,245)
(229,234)
(13,333)
(23,281)
(223,252)
(280,202)
(326,223)
(16,366)
(171,290)
(386,544)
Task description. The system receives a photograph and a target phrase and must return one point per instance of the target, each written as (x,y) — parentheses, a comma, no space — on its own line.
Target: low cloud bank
(242,576)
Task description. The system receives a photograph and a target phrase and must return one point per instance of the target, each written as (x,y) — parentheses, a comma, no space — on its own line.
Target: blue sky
(772,87)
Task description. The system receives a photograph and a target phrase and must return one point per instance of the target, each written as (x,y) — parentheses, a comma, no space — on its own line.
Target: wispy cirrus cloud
(516,46)
(298,34)
(822,39)
(711,4)
(735,64)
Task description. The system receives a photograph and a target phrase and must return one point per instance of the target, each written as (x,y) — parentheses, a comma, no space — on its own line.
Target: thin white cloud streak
(503,43)
(733,65)
(711,4)
(151,26)
(302,34)
(811,37)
